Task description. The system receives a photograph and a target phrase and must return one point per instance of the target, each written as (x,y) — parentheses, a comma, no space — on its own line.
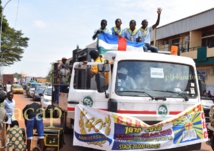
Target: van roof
(121,55)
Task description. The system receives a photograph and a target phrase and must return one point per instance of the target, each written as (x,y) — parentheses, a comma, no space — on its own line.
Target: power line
(16,13)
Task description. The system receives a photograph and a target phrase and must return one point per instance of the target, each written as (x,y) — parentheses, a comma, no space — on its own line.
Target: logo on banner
(94,130)
(162,110)
(87,101)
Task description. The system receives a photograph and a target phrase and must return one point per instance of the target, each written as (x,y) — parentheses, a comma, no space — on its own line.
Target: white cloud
(39,24)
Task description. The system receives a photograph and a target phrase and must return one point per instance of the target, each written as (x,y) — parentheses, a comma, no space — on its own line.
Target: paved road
(22,100)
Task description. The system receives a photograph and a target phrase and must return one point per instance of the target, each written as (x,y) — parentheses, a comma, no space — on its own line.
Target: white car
(46,97)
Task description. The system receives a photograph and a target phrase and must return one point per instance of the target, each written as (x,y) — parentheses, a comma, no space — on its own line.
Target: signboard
(111,131)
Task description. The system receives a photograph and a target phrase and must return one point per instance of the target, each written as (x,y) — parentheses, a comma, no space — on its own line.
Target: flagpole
(154,37)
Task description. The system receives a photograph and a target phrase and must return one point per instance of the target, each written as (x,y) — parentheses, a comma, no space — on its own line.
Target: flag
(109,42)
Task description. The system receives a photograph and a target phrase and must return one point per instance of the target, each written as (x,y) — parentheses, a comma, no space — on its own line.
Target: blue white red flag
(109,42)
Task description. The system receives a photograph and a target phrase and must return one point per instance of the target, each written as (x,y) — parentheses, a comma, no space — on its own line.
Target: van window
(82,80)
(143,78)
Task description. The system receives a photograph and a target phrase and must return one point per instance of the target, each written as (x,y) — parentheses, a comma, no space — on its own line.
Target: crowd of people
(132,33)
(32,114)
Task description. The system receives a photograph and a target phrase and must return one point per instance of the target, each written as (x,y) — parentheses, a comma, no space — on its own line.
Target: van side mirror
(202,87)
(100,77)
(101,82)
(103,67)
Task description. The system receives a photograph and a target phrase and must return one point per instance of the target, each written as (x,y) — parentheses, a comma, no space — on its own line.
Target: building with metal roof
(194,36)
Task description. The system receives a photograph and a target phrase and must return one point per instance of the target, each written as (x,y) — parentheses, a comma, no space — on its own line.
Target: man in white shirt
(146,31)
(8,87)
(9,106)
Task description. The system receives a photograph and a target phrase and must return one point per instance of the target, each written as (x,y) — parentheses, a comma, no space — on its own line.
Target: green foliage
(17,75)
(13,44)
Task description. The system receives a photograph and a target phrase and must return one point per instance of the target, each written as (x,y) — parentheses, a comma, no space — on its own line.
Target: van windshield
(157,79)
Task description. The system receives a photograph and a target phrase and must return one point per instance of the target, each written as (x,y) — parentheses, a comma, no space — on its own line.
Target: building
(194,35)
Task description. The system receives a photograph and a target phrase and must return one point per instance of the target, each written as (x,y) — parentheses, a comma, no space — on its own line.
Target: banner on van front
(111,131)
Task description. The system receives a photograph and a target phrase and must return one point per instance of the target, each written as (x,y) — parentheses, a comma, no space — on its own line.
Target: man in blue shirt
(117,30)
(146,31)
(132,33)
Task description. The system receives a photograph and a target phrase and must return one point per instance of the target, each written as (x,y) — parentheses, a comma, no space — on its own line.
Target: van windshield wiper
(183,96)
(152,97)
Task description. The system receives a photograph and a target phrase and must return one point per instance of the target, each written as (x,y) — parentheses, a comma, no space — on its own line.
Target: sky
(56,27)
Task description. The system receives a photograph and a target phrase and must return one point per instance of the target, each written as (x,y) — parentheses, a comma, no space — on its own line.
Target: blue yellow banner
(111,131)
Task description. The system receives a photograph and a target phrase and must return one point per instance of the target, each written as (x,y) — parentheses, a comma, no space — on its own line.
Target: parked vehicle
(31,88)
(207,104)
(17,89)
(46,97)
(38,90)
(24,85)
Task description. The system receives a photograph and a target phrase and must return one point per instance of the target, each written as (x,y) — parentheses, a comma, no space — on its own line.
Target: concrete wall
(195,38)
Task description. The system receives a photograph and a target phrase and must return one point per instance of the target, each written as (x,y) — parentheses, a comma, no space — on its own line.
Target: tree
(13,44)
(17,75)
(50,74)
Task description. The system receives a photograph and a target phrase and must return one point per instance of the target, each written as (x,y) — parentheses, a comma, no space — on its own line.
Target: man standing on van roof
(146,31)
(102,29)
(117,30)
(132,33)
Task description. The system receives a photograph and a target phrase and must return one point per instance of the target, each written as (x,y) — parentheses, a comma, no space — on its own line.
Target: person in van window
(94,69)
(124,81)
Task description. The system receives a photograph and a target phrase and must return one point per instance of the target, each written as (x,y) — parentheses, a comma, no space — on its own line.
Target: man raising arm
(146,31)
